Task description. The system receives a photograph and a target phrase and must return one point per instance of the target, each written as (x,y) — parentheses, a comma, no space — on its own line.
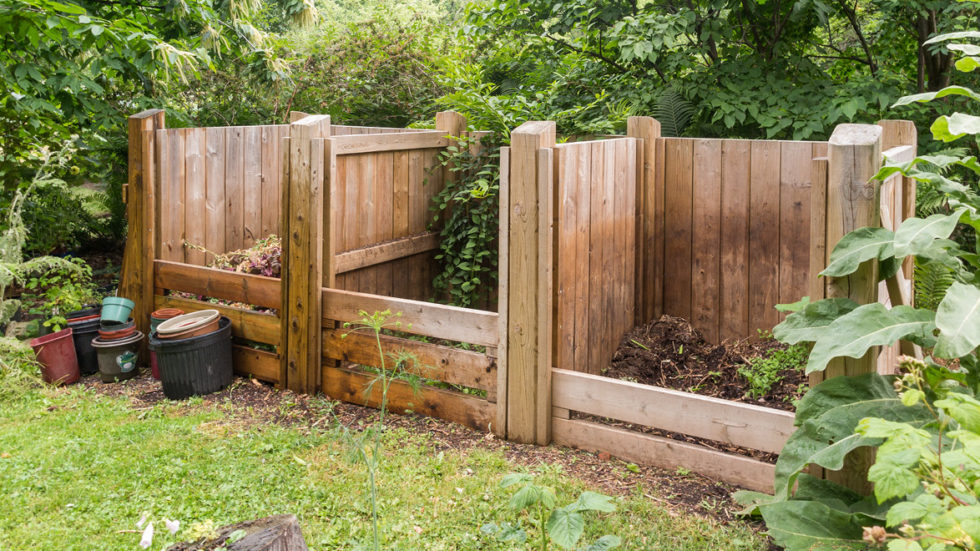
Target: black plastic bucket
(196,365)
(82,332)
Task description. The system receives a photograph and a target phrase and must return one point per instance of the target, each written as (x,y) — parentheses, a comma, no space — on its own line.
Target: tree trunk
(937,66)
(276,533)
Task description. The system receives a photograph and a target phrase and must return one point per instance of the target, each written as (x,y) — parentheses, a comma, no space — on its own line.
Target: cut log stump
(275,533)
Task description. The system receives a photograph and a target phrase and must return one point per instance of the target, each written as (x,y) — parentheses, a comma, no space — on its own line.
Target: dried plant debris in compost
(670,353)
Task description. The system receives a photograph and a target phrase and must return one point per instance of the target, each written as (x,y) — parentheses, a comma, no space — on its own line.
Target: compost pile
(670,353)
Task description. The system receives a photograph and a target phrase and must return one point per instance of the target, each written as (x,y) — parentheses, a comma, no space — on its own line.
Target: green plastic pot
(116,309)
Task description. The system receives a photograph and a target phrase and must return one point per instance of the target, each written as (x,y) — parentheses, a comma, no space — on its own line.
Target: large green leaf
(827,416)
(605,543)
(565,527)
(916,235)
(809,323)
(955,126)
(958,320)
(867,326)
(811,526)
(929,96)
(856,247)
(592,501)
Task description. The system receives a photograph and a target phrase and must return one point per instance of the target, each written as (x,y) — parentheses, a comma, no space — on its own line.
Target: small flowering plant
(928,470)
(263,258)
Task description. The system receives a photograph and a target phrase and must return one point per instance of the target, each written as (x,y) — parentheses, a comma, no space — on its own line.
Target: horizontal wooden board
(210,282)
(440,363)
(349,385)
(356,259)
(419,318)
(245,324)
(258,363)
(744,425)
(375,143)
(347,130)
(664,453)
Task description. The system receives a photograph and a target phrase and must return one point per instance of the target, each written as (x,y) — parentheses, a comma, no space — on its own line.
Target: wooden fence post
(136,281)
(526,284)
(302,254)
(896,133)
(649,266)
(854,157)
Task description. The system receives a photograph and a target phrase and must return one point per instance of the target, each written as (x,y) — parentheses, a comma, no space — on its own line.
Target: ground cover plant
(80,466)
(923,424)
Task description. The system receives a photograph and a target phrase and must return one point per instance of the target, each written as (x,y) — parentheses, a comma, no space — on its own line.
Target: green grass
(76,468)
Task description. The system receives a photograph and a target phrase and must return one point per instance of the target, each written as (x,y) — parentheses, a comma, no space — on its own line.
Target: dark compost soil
(670,353)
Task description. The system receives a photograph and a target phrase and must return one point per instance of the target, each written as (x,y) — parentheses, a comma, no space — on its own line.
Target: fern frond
(674,113)
(932,279)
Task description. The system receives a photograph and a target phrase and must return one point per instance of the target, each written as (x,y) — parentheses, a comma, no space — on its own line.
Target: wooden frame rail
(349,261)
(378,143)
(418,318)
(223,284)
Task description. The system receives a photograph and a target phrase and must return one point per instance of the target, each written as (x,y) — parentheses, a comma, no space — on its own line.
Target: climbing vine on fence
(466,213)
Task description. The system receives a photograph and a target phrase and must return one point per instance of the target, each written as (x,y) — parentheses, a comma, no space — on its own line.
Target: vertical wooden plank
(581,193)
(632,162)
(764,236)
(735,194)
(598,250)
(897,133)
(331,208)
(270,181)
(195,205)
(214,176)
(417,220)
(173,224)
(136,281)
(368,214)
(252,185)
(234,189)
(678,231)
(610,258)
(400,208)
(352,220)
(529,357)
(163,224)
(659,227)
(646,129)
(706,238)
(503,294)
(566,260)
(795,189)
(818,220)
(384,191)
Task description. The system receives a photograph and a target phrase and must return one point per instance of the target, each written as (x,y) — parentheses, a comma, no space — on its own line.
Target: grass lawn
(79,468)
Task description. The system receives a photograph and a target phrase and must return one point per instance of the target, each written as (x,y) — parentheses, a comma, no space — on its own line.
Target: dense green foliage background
(73,70)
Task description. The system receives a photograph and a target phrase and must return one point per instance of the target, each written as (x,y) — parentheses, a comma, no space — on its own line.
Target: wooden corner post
(302,254)
(649,266)
(526,269)
(136,281)
(854,157)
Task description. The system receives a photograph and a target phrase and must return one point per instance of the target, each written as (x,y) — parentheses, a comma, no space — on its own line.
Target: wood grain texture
(195,190)
(213,283)
(234,188)
(795,190)
(646,129)
(261,327)
(503,294)
(664,453)
(417,317)
(351,385)
(706,239)
(734,241)
(252,185)
(723,421)
(678,226)
(214,208)
(431,361)
(764,236)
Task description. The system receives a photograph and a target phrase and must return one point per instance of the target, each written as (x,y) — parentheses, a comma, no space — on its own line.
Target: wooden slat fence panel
(742,231)
(595,243)
(384,197)
(218,188)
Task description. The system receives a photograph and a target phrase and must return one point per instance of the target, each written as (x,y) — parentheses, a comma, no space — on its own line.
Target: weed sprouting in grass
(366,445)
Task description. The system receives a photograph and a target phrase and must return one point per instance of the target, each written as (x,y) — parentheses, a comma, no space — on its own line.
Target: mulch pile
(670,353)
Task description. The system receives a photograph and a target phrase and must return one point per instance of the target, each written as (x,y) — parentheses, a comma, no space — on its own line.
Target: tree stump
(275,533)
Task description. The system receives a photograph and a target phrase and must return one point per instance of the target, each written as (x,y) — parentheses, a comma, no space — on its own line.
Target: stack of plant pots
(156,318)
(193,353)
(84,325)
(118,343)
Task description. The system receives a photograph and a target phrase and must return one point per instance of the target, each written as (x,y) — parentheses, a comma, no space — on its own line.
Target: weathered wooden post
(136,281)
(854,157)
(302,229)
(649,259)
(526,257)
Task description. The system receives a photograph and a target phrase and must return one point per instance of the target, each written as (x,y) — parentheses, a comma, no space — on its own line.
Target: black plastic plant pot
(194,366)
(88,310)
(83,332)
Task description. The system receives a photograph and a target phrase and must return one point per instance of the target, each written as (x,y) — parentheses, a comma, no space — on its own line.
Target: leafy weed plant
(763,372)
